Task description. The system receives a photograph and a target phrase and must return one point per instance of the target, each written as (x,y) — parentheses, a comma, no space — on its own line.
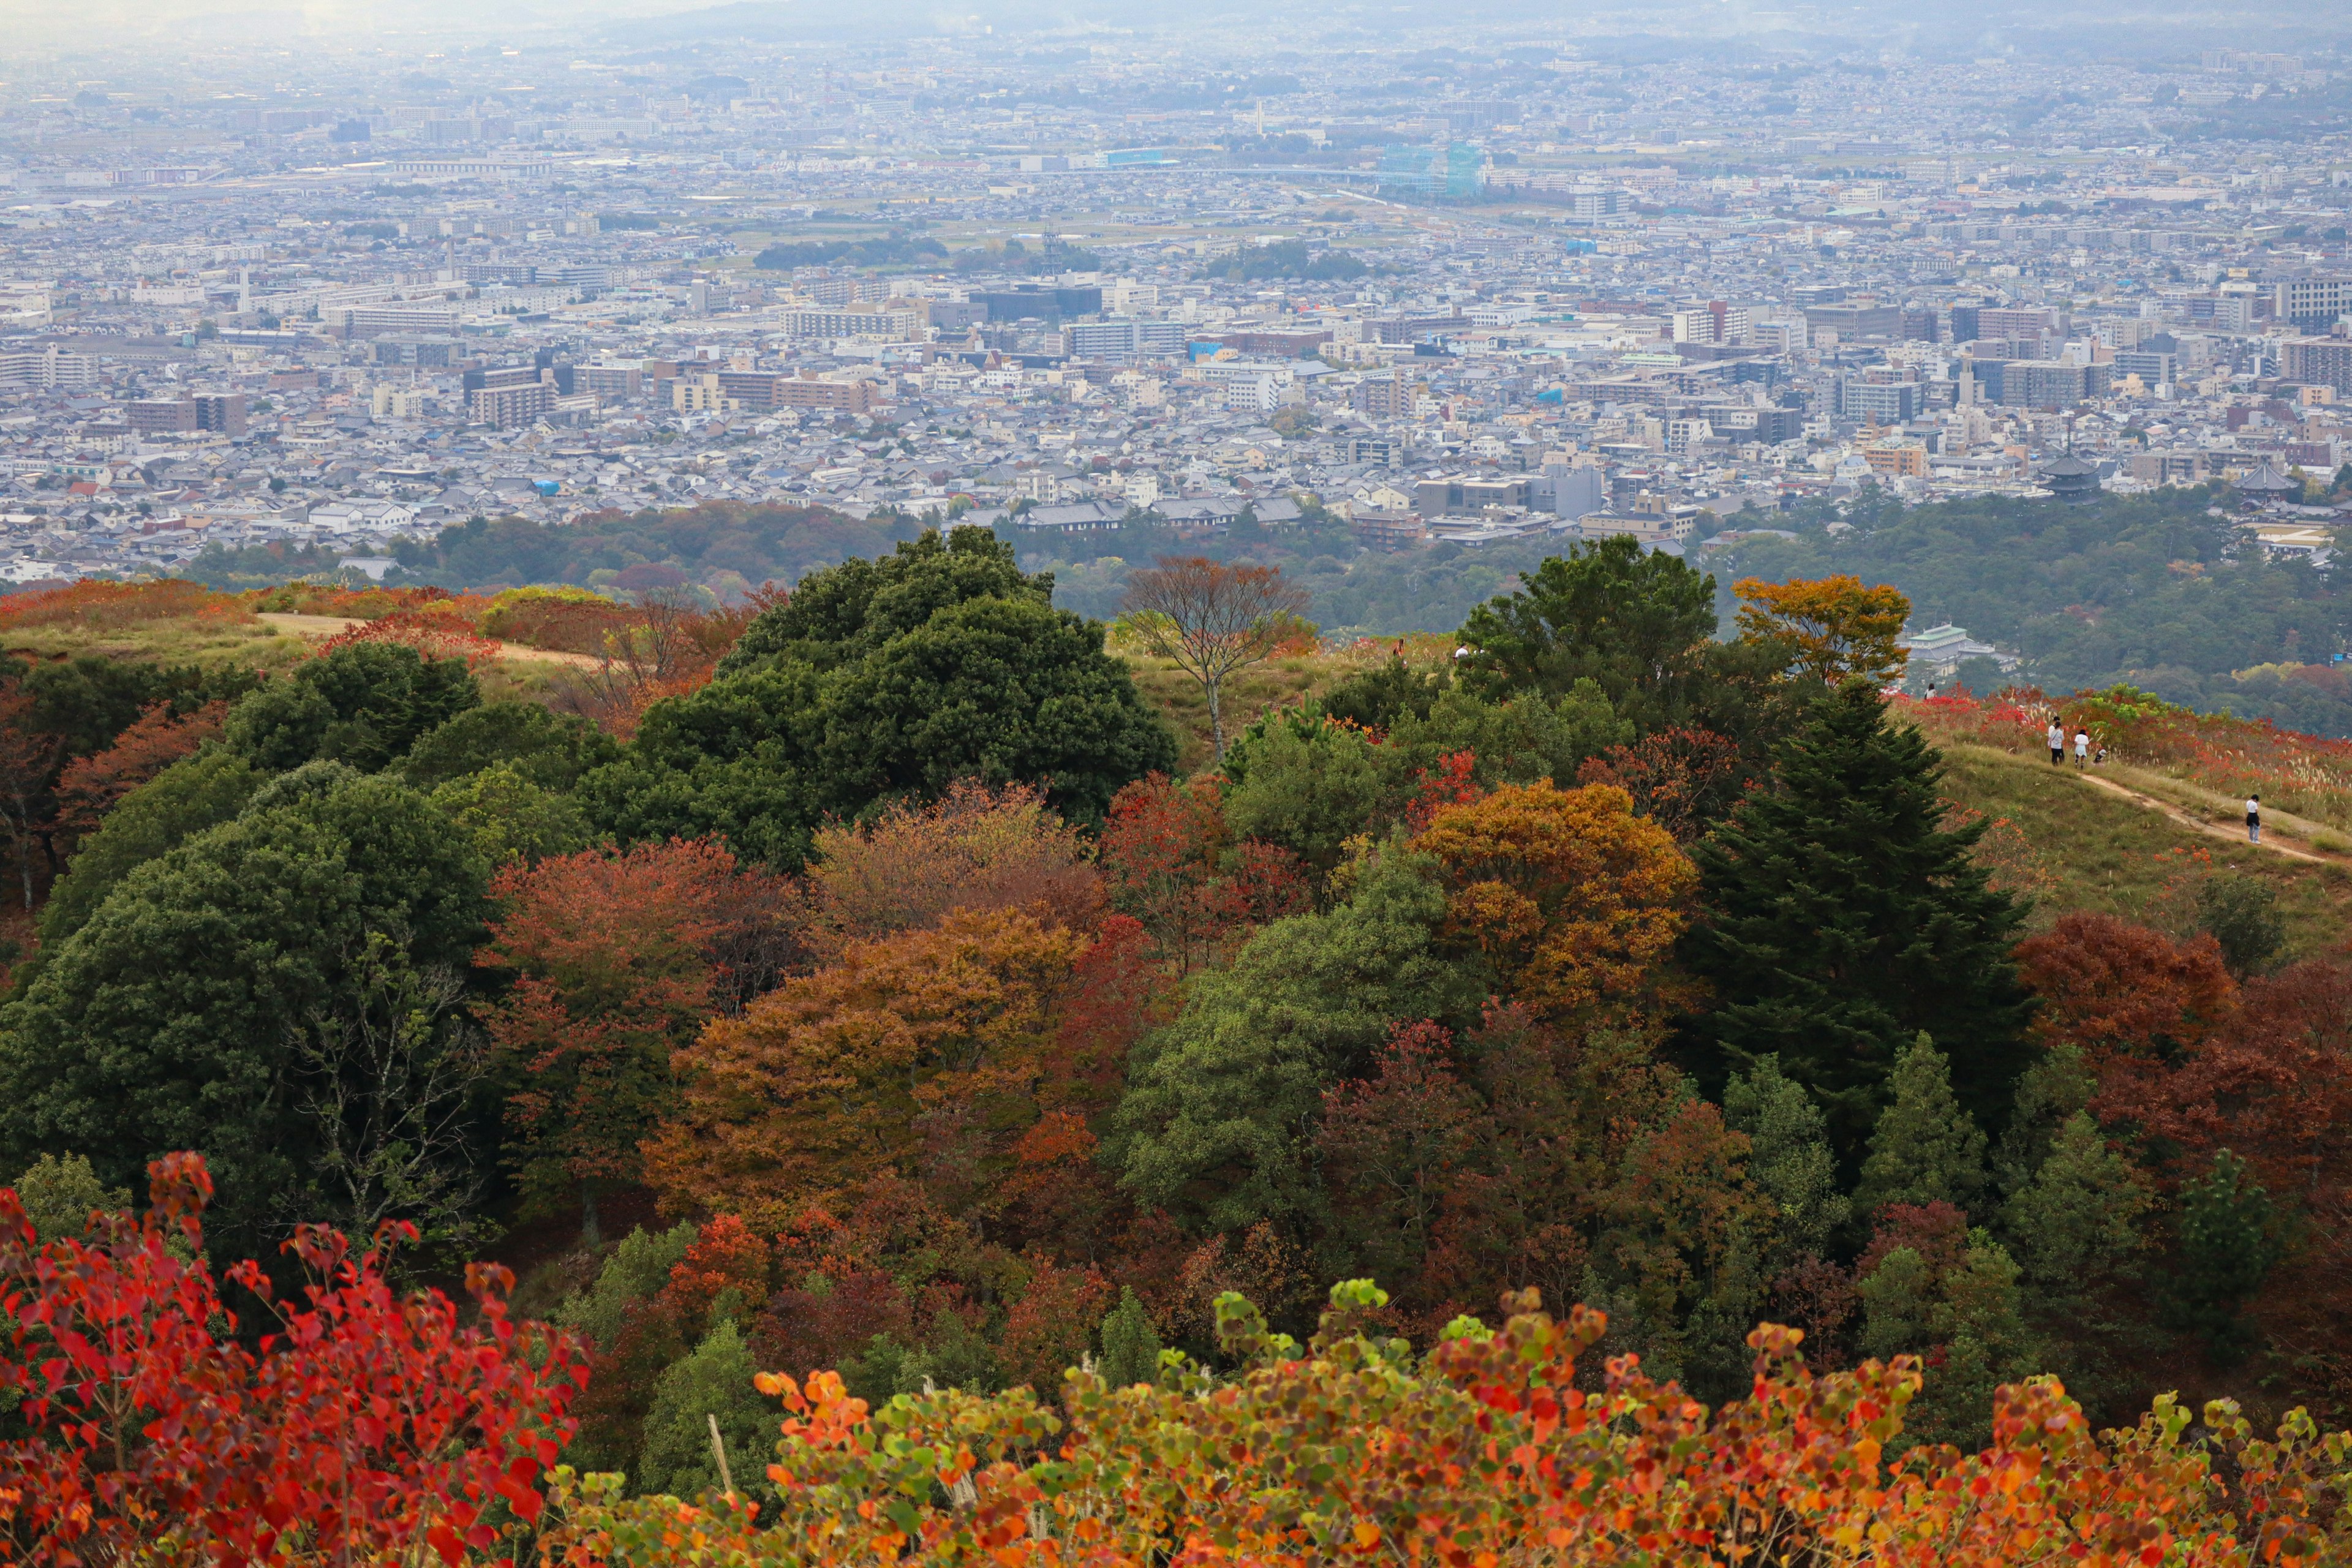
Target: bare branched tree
(1210,620)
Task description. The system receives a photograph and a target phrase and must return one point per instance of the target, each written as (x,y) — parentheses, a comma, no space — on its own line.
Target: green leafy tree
(997,689)
(60,1194)
(1130,1345)
(839,614)
(1789,1154)
(506,817)
(186,799)
(1518,741)
(1965,1317)
(1925,1149)
(736,759)
(1633,619)
(549,749)
(2228,1240)
(1309,788)
(1838,919)
(233,997)
(712,1382)
(2049,1093)
(2242,914)
(2075,1224)
(1220,1105)
(885,680)
(633,1272)
(1375,698)
(364,704)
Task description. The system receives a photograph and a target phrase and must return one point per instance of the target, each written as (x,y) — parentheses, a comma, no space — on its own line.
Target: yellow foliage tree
(1839,628)
(926,1041)
(1573,900)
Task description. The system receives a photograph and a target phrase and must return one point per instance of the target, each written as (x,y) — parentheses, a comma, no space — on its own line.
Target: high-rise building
(2317,362)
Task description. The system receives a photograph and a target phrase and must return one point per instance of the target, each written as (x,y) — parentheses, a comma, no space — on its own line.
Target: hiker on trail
(2057,742)
(2081,748)
(2253,819)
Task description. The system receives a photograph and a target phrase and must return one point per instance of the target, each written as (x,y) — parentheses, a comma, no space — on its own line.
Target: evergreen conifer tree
(2076,1224)
(1788,1153)
(1926,1146)
(1838,918)
(1130,1347)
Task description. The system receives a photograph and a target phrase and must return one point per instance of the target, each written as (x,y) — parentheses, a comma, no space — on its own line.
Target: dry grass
(2096,851)
(192,640)
(1179,697)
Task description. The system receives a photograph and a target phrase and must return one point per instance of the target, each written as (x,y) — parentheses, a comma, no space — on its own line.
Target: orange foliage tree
(619,958)
(432,634)
(1838,628)
(975,848)
(96,605)
(1570,898)
(916,1051)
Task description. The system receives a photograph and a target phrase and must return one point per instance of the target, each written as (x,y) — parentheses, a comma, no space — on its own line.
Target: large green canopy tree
(275,992)
(882,681)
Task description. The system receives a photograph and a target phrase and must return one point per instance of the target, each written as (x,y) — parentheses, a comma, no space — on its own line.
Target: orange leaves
(89,786)
(1347,1452)
(973,848)
(1571,899)
(433,634)
(619,958)
(1838,629)
(99,605)
(838,1076)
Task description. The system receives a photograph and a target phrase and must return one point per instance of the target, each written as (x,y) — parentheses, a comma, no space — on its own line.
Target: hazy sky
(77,28)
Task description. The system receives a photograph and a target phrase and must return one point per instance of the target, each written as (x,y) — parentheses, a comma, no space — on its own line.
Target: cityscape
(1452,294)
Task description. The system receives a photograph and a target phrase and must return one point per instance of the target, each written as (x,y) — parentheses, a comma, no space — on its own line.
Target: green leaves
(364,704)
(1838,920)
(884,680)
(177,1016)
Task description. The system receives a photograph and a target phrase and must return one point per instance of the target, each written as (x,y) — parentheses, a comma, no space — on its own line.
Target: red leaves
(1170,861)
(89,786)
(364,1422)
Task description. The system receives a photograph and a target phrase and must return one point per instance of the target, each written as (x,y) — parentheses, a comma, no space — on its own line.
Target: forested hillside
(2164,591)
(849,1013)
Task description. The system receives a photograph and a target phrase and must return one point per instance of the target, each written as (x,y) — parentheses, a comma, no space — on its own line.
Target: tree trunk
(1216,720)
(591,1233)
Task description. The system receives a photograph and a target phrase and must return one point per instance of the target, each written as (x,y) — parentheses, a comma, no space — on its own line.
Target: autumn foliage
(362,1424)
(1566,894)
(1836,629)
(617,959)
(1501,1446)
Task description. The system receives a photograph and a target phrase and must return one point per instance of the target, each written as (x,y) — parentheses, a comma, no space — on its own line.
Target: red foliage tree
(1682,779)
(365,1426)
(620,958)
(2121,991)
(1396,1145)
(1449,783)
(1168,860)
(88,787)
(1049,1326)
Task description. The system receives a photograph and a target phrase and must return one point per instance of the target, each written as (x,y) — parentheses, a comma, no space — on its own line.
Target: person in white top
(2081,748)
(2057,742)
(2253,819)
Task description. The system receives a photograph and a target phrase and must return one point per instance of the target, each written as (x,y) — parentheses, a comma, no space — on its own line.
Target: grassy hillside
(2072,845)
